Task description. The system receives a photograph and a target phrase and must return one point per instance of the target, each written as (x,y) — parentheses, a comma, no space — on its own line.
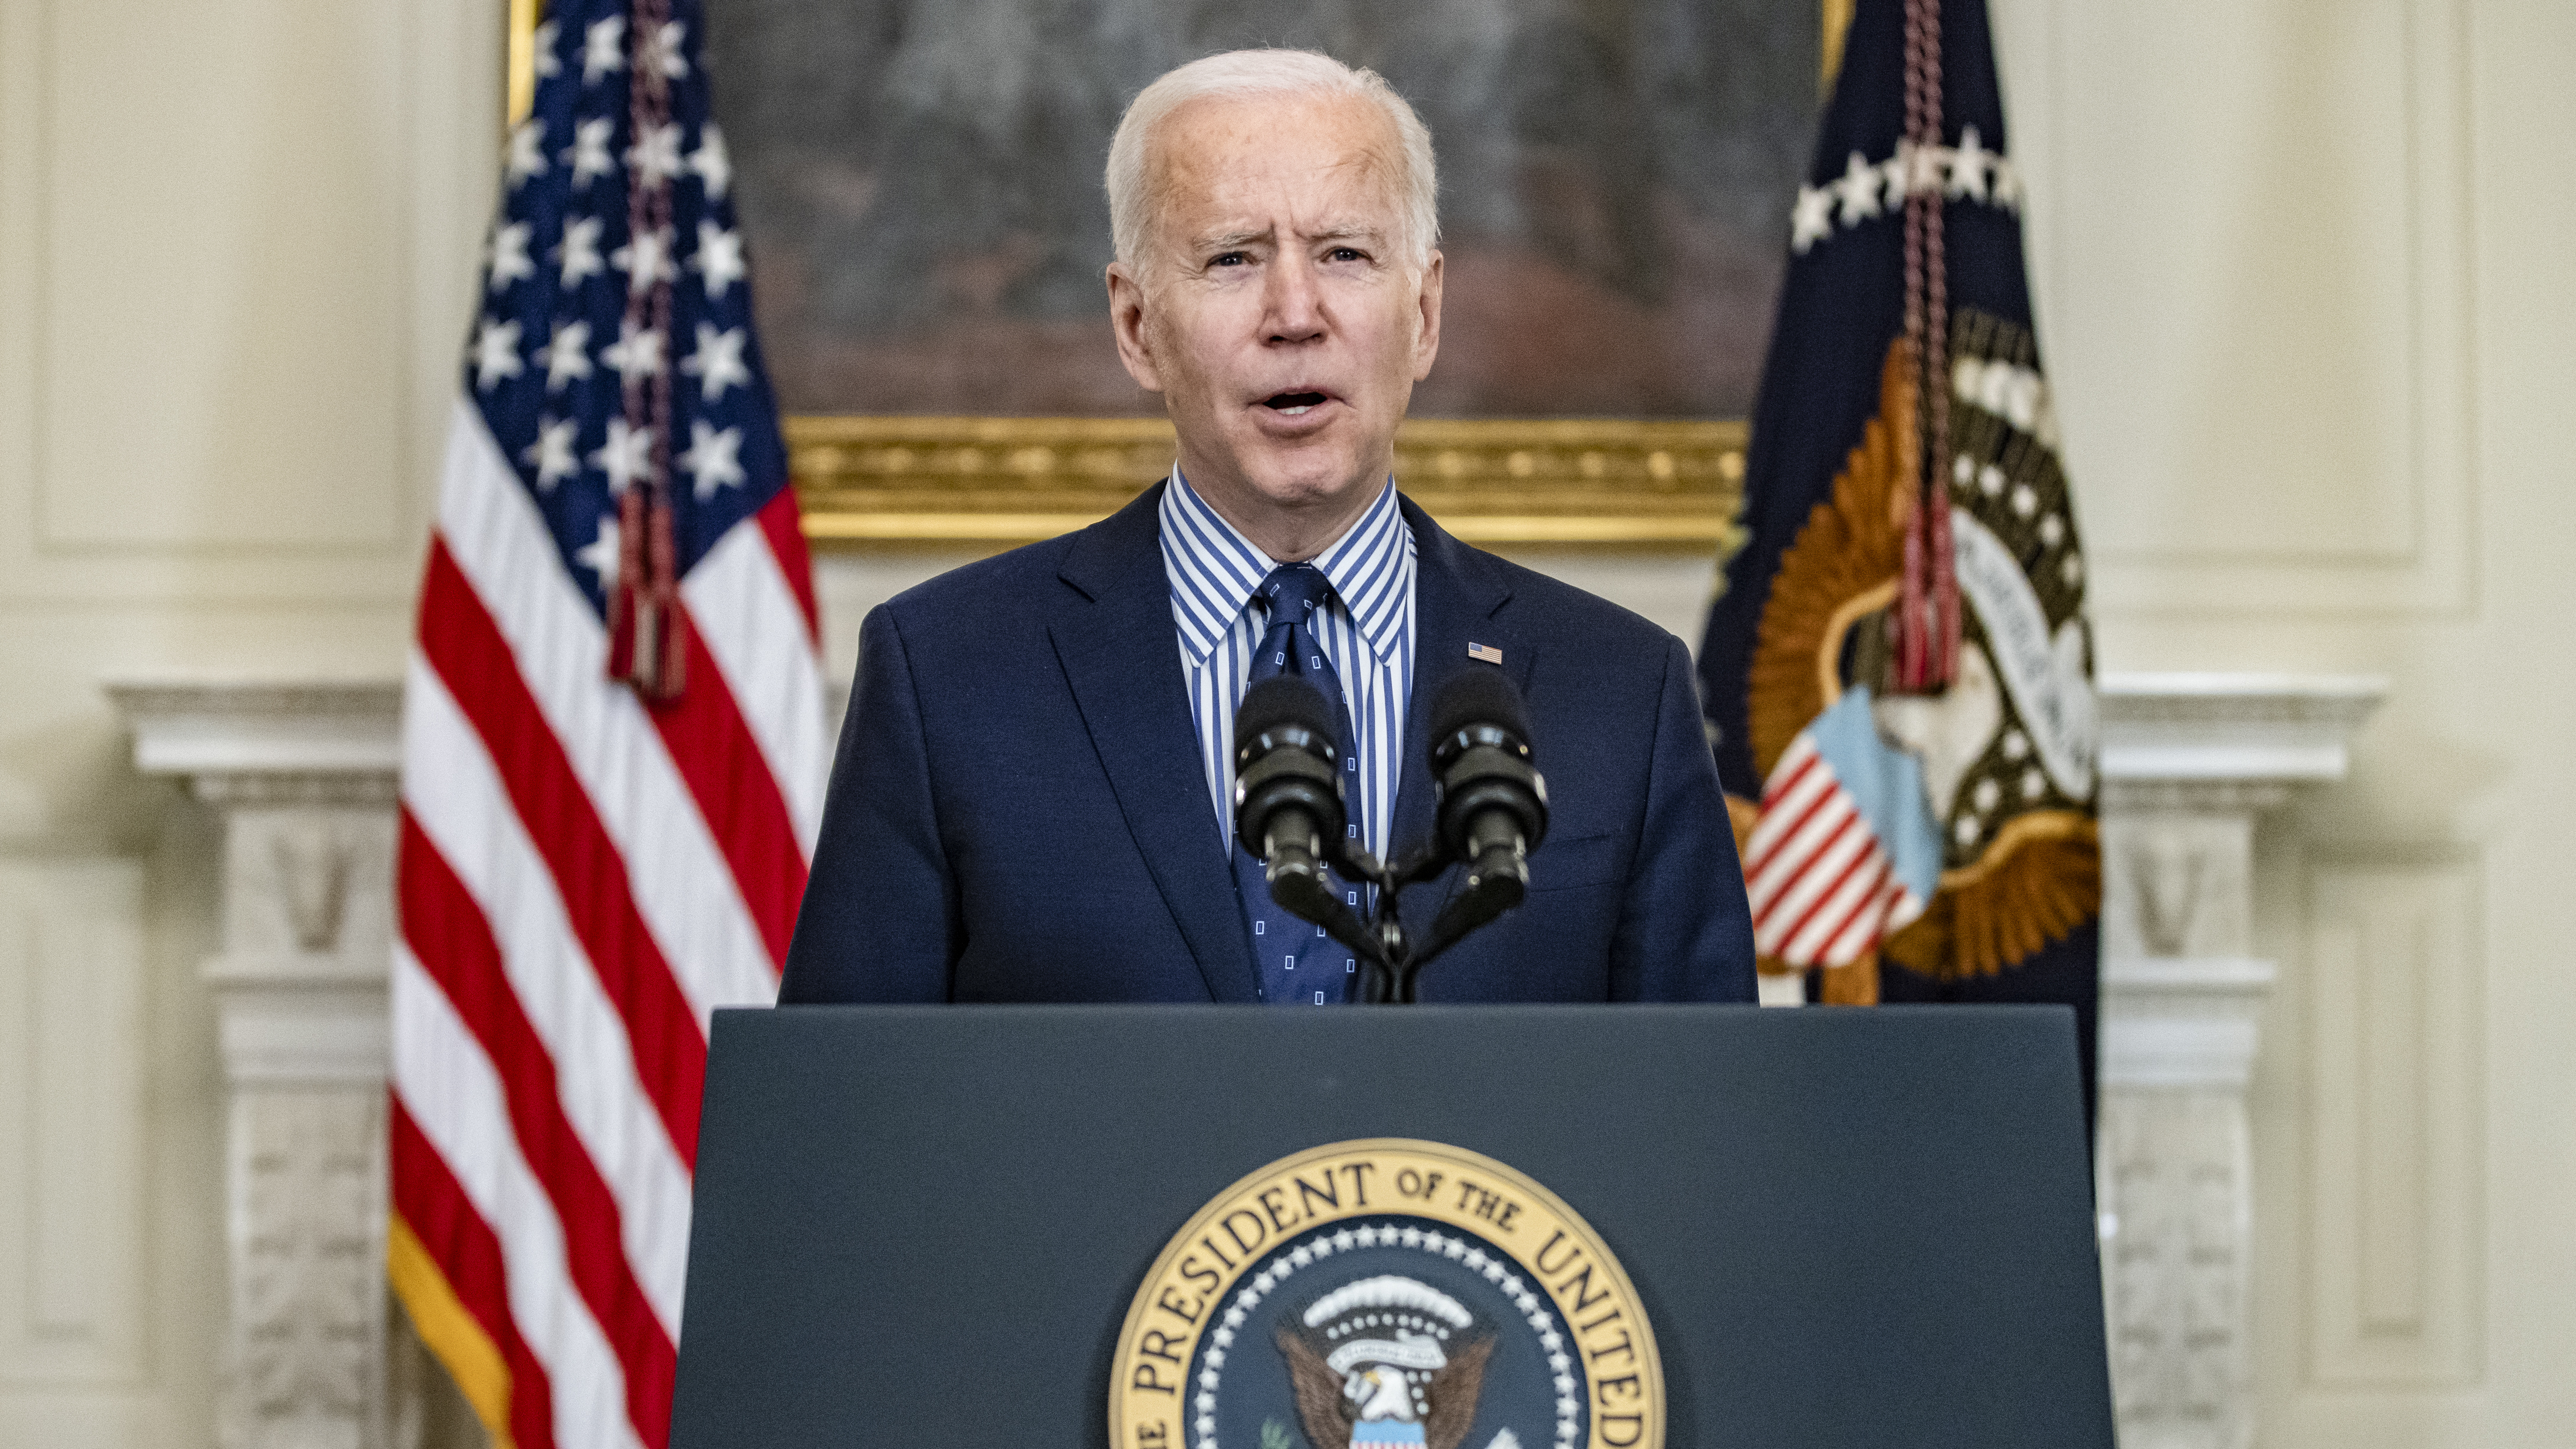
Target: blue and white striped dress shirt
(1366,630)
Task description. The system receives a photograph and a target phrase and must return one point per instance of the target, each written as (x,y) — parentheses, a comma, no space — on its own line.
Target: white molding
(2251,729)
(2395,1220)
(2179,1022)
(77,1277)
(280,1025)
(209,727)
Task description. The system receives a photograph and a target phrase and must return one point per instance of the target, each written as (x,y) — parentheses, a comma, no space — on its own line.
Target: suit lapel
(1457,595)
(1121,655)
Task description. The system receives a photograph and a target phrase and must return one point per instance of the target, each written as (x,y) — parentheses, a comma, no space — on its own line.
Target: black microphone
(1288,807)
(1491,803)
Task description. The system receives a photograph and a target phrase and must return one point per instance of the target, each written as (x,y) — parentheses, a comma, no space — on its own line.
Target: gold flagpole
(522,54)
(1838,19)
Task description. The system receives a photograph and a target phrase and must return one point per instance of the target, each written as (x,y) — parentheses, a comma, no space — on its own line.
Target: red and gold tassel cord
(1925,623)
(647,629)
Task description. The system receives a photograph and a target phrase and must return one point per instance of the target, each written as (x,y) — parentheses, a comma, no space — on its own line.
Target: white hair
(1134,197)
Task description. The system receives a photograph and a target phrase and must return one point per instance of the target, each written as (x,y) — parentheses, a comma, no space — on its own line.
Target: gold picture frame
(1598,482)
(875,481)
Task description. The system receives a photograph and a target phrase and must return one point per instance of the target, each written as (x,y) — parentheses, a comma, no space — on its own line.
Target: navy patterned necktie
(1298,963)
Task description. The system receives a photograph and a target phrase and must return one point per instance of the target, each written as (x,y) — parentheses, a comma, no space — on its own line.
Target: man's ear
(1426,341)
(1127,321)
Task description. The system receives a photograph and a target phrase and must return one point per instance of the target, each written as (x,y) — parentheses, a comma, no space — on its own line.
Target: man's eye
(1228,259)
(1345,254)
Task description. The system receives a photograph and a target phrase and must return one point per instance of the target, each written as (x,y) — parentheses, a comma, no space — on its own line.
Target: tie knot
(1293,591)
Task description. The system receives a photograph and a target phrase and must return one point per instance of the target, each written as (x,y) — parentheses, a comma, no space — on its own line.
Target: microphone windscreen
(1478,695)
(1282,699)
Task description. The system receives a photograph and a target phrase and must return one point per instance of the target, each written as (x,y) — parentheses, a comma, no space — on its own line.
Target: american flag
(613,743)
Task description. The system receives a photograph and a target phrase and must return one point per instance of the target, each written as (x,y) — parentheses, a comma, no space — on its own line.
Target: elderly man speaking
(1033,796)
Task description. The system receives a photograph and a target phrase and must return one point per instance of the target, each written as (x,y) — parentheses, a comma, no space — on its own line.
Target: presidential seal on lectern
(1386,1293)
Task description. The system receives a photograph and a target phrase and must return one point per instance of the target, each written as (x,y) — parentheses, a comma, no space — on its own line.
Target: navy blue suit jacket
(1018,811)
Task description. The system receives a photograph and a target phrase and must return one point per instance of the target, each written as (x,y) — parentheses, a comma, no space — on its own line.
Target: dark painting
(920,180)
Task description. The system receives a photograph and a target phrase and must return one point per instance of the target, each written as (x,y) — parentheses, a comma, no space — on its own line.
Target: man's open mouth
(1293,404)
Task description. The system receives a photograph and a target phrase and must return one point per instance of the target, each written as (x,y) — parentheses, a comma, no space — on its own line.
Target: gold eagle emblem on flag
(1978,803)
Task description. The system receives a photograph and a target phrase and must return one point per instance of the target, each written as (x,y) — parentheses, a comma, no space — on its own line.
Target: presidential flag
(1898,669)
(613,746)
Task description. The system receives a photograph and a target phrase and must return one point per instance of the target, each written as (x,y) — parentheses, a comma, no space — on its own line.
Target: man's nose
(1293,302)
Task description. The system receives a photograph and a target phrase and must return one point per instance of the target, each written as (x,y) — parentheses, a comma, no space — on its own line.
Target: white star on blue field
(559,348)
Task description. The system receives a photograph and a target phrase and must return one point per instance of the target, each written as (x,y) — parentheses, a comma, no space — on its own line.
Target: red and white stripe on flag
(583,877)
(1822,888)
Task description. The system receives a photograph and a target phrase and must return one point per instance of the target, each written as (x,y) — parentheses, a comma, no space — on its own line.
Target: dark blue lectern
(927,1226)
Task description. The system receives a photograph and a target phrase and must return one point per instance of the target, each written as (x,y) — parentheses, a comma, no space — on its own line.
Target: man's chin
(1318,472)
(1311,478)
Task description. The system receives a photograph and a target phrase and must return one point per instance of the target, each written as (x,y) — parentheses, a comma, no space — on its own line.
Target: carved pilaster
(306,1365)
(2189,762)
(303,778)
(2176,1163)
(2175,1181)
(2179,880)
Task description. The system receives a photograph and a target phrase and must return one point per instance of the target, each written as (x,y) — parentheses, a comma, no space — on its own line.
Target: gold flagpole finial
(522,56)
(1838,19)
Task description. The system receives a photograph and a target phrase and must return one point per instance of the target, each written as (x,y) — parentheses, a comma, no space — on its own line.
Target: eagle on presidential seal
(1386,1362)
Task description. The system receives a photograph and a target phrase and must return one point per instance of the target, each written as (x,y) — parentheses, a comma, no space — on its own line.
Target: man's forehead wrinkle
(1252,200)
(1328,231)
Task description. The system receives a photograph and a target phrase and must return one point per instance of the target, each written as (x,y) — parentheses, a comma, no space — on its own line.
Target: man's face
(1278,310)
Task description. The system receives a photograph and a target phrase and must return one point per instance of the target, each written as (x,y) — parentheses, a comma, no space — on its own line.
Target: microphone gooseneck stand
(1492,811)
(1394,962)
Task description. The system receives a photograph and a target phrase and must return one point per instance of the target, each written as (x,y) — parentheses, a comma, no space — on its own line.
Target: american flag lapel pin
(1485,653)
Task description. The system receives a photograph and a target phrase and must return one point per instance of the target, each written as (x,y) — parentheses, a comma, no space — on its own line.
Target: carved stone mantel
(303,776)
(2189,761)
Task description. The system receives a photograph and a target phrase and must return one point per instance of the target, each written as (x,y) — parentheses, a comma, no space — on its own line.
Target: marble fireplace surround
(302,776)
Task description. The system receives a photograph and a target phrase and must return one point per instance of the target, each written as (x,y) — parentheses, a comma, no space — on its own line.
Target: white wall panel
(2396,1267)
(71,1123)
(2253,226)
(224,360)
(237,256)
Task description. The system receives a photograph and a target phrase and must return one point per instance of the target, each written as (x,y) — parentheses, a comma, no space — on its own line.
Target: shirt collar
(1214,569)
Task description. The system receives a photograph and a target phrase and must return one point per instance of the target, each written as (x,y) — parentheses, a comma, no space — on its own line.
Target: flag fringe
(1855,984)
(450,1332)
